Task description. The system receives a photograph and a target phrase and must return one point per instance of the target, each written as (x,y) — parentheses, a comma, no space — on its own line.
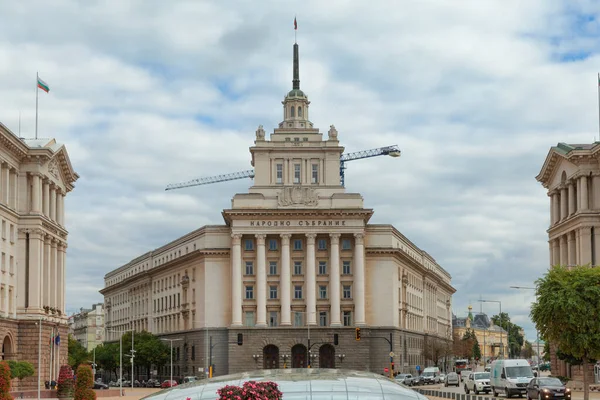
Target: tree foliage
(476,350)
(20,369)
(77,353)
(5,377)
(527,350)
(546,351)
(515,338)
(107,357)
(567,312)
(434,349)
(84,384)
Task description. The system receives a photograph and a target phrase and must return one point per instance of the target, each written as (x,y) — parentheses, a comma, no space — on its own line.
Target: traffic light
(240,339)
(335,339)
(392,366)
(357,333)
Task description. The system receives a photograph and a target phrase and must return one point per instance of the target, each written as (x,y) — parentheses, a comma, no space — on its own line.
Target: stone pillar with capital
(334,279)
(52,214)
(572,250)
(555,208)
(34,275)
(555,252)
(35,193)
(571,195)
(586,244)
(60,262)
(285,280)
(12,195)
(564,202)
(60,208)
(311,279)
(46,197)
(236,279)
(46,282)
(596,191)
(584,193)
(563,250)
(54,275)
(261,281)
(359,278)
(5,181)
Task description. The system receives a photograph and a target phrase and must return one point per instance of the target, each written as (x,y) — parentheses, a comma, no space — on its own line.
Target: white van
(510,377)
(431,375)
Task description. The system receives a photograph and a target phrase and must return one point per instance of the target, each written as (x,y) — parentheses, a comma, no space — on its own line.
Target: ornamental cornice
(229,215)
(13,145)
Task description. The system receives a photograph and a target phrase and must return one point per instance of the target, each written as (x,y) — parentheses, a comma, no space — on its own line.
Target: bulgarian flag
(42,85)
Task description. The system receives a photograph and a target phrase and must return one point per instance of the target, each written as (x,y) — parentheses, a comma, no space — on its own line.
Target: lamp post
(121,357)
(537,333)
(39,374)
(308,328)
(171,340)
(500,319)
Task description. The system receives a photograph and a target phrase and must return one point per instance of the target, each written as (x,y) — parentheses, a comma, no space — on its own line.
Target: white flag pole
(37,77)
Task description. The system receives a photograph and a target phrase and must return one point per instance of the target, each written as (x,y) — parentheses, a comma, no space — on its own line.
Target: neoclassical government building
(295,262)
(35,177)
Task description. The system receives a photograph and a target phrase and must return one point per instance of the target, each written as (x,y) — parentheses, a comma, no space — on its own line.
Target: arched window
(292,109)
(299,111)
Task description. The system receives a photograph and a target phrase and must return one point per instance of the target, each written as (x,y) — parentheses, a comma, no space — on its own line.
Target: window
(249,244)
(299,111)
(292,111)
(347,292)
(279,173)
(322,267)
(296,173)
(298,292)
(347,317)
(297,244)
(273,244)
(315,173)
(322,244)
(273,318)
(297,267)
(346,244)
(323,292)
(298,319)
(296,139)
(249,268)
(273,292)
(272,267)
(193,357)
(12,233)
(323,318)
(249,292)
(3,229)
(346,268)
(249,318)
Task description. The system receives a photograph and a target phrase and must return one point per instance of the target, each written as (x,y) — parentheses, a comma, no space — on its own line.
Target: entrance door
(327,356)
(270,357)
(299,356)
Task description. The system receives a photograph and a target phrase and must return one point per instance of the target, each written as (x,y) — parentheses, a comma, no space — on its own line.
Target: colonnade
(580,193)
(47,198)
(576,247)
(8,185)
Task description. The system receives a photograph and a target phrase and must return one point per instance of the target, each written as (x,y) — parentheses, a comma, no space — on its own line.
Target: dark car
(544,388)
(100,385)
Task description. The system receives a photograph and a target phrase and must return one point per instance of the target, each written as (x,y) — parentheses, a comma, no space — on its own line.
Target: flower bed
(251,390)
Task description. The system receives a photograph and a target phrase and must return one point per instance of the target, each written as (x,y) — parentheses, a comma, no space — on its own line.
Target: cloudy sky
(147,93)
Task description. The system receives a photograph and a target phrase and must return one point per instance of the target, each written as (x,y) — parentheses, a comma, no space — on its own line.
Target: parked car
(168,383)
(452,379)
(464,373)
(405,379)
(189,379)
(153,383)
(100,385)
(441,378)
(478,382)
(547,388)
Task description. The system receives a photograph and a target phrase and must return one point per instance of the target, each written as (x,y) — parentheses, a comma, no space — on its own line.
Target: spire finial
(296,79)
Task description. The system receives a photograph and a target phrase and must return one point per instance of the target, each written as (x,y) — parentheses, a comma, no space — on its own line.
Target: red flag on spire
(295,24)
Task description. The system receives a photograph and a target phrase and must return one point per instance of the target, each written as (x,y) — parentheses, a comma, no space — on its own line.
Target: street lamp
(500,319)
(121,357)
(308,326)
(537,334)
(171,340)
(39,323)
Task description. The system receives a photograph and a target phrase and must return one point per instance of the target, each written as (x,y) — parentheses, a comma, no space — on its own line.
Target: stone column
(359,279)
(261,281)
(577,235)
(285,280)
(46,198)
(35,193)
(54,275)
(334,279)
(555,208)
(584,193)
(35,271)
(46,282)
(572,251)
(555,252)
(551,208)
(563,249)
(564,202)
(12,199)
(60,263)
(5,182)
(596,240)
(596,191)
(311,280)
(236,280)
(60,209)
(571,194)
(52,214)
(586,244)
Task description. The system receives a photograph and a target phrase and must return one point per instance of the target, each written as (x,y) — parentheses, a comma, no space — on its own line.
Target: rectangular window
(273,244)
(323,318)
(273,292)
(347,292)
(272,267)
(346,244)
(193,357)
(298,319)
(298,292)
(322,244)
(315,173)
(279,172)
(273,318)
(178,299)
(297,267)
(297,244)
(249,292)
(296,173)
(347,318)
(249,244)
(249,268)
(249,318)
(3,262)
(3,229)
(12,233)
(322,267)
(323,292)
(346,268)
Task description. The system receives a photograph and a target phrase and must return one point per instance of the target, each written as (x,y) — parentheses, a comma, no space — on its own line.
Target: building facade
(87,326)
(35,177)
(492,339)
(571,174)
(295,263)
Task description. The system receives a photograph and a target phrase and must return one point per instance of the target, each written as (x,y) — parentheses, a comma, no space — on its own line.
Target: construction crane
(392,151)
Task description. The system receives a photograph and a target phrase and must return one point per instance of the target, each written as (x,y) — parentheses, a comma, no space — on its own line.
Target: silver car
(405,379)
(452,379)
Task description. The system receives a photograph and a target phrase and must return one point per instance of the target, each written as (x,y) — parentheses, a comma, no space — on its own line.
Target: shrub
(20,369)
(5,378)
(65,382)
(251,391)
(84,384)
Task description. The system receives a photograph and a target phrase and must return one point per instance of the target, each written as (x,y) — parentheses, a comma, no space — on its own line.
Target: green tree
(149,350)
(476,350)
(515,339)
(546,351)
(567,312)
(20,369)
(468,343)
(107,357)
(77,353)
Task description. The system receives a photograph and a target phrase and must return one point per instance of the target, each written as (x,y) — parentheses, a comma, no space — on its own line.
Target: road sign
(418,367)
(392,354)
(386,370)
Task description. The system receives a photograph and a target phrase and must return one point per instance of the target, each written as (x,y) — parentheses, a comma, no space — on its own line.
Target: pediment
(60,168)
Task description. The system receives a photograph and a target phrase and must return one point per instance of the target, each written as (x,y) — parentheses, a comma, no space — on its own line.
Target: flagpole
(599,103)
(37,77)
(50,366)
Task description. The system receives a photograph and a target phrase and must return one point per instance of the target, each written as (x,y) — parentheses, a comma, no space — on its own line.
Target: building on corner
(295,263)
(87,326)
